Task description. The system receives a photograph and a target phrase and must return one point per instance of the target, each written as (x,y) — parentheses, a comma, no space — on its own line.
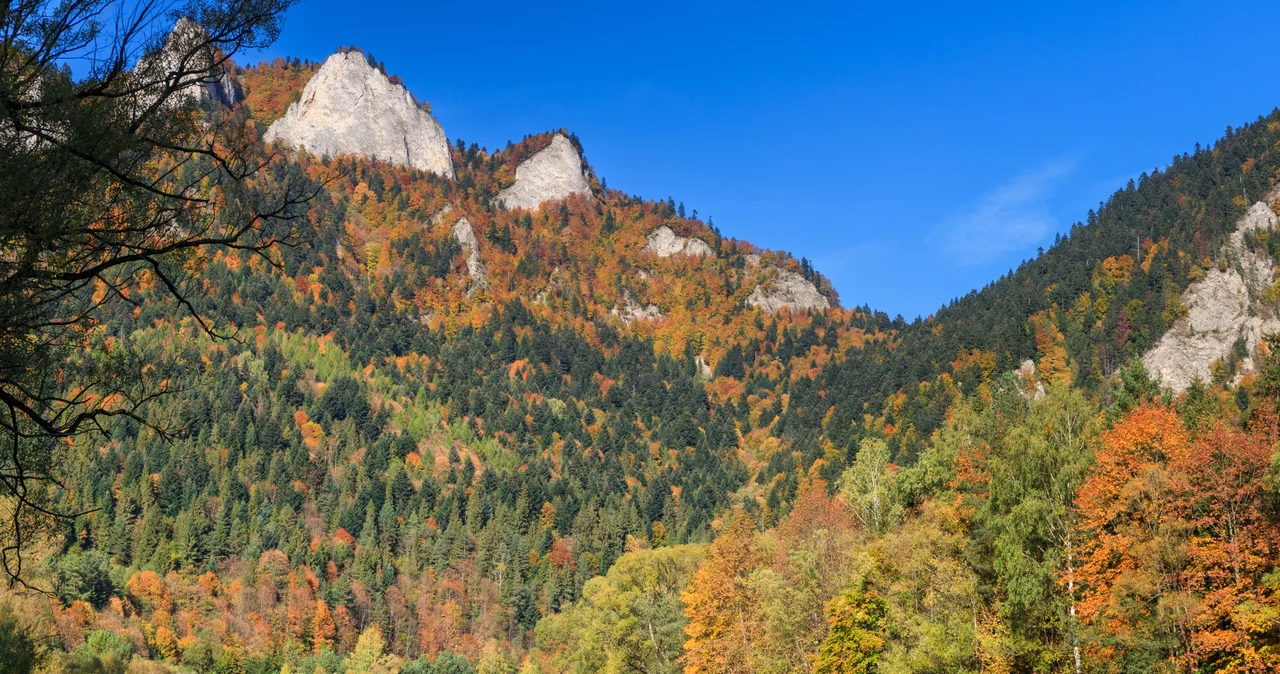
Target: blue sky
(912,153)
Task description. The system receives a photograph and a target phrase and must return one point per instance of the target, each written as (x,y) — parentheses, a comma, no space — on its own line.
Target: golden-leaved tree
(719,602)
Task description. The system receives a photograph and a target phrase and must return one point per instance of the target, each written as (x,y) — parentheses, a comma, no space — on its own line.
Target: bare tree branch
(119,179)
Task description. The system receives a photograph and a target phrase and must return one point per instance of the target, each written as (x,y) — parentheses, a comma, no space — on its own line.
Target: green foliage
(1036,459)
(629,620)
(930,593)
(84,576)
(445,663)
(104,652)
(856,638)
(21,652)
(869,488)
(448,663)
(731,364)
(199,656)
(326,661)
(1136,388)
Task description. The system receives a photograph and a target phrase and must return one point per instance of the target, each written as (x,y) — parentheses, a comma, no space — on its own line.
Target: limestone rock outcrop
(631,311)
(554,281)
(349,106)
(224,89)
(1222,309)
(189,61)
(555,172)
(465,235)
(787,289)
(664,243)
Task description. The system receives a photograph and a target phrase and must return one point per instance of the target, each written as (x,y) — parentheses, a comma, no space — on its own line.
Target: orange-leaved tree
(719,602)
(1233,545)
(1134,532)
(323,629)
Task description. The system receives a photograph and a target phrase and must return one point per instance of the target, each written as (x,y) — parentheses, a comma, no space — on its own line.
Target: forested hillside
(592,457)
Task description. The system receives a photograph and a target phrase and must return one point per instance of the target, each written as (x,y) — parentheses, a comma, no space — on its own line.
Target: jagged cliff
(349,106)
(553,173)
(1223,309)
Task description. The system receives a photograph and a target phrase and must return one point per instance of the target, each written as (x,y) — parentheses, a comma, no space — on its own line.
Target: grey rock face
(188,62)
(224,89)
(553,173)
(664,243)
(465,235)
(787,289)
(631,311)
(1223,308)
(698,248)
(349,106)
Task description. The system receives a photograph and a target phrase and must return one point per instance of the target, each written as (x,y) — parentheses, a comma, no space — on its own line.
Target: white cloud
(1014,216)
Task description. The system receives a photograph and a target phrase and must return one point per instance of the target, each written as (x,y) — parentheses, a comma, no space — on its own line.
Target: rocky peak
(787,289)
(189,61)
(664,243)
(349,106)
(553,173)
(1223,310)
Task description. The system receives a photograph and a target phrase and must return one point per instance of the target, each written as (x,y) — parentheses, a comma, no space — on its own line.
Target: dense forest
(386,465)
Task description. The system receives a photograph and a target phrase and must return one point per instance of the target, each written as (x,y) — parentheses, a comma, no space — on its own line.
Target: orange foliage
(1173,535)
(718,602)
(323,629)
(1051,347)
(149,587)
(269,88)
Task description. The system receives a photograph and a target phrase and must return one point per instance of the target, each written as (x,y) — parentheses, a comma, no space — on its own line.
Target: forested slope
(388,443)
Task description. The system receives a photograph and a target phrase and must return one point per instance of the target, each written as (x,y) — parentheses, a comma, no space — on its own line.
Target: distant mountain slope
(1101,296)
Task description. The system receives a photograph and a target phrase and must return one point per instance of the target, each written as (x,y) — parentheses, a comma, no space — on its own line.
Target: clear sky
(912,151)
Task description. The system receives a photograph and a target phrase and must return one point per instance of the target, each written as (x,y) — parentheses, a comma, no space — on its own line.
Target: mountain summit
(349,106)
(553,173)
